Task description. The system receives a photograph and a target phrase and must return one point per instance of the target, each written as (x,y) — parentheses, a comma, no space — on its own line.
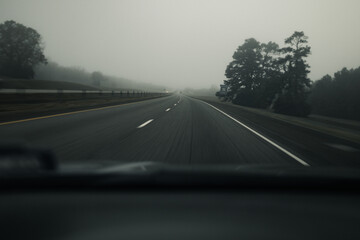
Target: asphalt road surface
(176,129)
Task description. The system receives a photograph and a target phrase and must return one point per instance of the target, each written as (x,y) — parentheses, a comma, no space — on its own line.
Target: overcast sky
(186,42)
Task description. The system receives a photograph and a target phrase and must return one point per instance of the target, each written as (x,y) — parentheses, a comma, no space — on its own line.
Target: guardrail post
(59,94)
(21,91)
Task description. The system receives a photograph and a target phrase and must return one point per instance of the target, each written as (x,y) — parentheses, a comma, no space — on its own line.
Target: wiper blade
(19,158)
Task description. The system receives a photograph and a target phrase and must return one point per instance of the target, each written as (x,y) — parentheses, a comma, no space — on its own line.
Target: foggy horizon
(182,44)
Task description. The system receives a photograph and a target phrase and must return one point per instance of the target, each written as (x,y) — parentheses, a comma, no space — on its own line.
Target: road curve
(175,129)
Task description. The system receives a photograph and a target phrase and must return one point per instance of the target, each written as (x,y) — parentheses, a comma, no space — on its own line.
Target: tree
(21,49)
(270,74)
(292,99)
(56,72)
(263,75)
(338,96)
(244,72)
(98,78)
(321,98)
(253,75)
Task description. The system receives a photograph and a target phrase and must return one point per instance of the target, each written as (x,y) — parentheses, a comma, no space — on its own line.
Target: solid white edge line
(167,109)
(145,123)
(261,136)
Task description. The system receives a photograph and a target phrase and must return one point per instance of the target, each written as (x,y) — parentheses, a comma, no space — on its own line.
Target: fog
(185,43)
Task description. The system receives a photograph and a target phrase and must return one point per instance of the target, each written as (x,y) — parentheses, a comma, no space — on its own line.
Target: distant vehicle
(223,91)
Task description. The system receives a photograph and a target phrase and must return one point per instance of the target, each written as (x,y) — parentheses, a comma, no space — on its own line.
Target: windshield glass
(236,83)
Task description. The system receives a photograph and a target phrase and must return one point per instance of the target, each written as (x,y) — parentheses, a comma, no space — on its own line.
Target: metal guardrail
(121,92)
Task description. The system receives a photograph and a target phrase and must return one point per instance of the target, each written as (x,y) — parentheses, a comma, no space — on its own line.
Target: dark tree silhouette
(244,72)
(337,96)
(271,76)
(98,78)
(253,76)
(265,76)
(21,49)
(292,99)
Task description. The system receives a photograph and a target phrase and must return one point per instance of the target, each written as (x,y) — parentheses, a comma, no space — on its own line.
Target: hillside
(10,83)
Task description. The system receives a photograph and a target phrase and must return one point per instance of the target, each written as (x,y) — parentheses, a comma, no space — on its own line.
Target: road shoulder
(317,147)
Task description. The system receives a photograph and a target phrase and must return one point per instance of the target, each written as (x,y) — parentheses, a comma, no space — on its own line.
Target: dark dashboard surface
(179,215)
(148,201)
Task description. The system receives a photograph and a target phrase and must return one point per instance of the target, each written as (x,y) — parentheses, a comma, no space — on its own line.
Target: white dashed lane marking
(145,123)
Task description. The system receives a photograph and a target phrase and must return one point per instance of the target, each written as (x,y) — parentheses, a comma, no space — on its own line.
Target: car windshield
(193,82)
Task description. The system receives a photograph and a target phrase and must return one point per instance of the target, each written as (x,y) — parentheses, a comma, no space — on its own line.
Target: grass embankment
(345,129)
(16,111)
(15,106)
(12,83)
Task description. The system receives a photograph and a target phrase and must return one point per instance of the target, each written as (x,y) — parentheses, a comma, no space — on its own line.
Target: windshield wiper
(16,158)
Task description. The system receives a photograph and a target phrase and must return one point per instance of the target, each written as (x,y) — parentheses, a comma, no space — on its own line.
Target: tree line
(337,96)
(266,76)
(263,75)
(55,72)
(22,56)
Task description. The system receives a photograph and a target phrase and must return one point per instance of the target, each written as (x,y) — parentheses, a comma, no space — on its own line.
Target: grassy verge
(21,110)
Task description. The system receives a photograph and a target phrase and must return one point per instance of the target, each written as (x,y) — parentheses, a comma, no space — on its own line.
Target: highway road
(176,129)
